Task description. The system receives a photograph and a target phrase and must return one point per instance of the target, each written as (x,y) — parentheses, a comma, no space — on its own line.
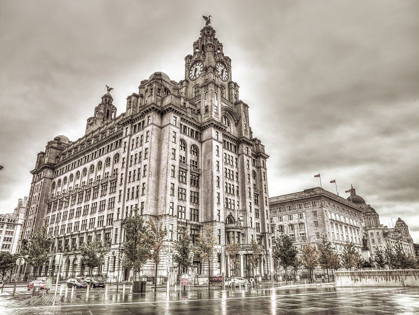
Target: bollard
(66,291)
(106,289)
(123,289)
(175,287)
(14,289)
(87,292)
(61,289)
(72,291)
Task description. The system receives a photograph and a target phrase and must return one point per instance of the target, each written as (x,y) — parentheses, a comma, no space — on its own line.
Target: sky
(332,86)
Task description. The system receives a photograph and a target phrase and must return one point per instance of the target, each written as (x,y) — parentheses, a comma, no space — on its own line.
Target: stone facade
(312,213)
(378,278)
(10,227)
(182,153)
(309,215)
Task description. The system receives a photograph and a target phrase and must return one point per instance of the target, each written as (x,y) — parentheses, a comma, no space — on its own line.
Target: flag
(333,181)
(318,175)
(1,167)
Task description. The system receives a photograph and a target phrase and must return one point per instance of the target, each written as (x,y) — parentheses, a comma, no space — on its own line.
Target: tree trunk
(327,270)
(209,274)
(155,279)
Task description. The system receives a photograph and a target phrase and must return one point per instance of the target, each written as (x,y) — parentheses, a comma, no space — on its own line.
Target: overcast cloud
(332,85)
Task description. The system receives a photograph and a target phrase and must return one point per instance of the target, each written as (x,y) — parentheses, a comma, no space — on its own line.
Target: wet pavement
(256,301)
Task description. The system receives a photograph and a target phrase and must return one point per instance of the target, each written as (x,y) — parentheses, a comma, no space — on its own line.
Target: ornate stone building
(381,236)
(10,227)
(182,153)
(308,215)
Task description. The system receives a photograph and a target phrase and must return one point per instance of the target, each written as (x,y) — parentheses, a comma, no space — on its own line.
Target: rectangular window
(182,176)
(171,208)
(182,194)
(194,197)
(181,212)
(194,215)
(173,171)
(172,189)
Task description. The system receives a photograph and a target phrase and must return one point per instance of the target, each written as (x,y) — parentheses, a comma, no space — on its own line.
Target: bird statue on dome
(207,19)
(108,88)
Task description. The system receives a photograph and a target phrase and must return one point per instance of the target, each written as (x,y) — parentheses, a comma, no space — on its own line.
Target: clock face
(196,70)
(221,71)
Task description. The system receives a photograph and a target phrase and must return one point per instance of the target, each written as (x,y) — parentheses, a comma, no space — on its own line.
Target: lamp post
(119,267)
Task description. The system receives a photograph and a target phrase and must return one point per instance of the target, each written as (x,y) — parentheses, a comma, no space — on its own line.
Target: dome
(159,76)
(354,198)
(62,138)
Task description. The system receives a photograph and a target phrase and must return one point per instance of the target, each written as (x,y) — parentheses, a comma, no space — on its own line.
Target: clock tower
(208,76)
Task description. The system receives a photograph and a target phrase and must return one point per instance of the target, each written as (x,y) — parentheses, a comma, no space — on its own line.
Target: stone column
(70,269)
(241,266)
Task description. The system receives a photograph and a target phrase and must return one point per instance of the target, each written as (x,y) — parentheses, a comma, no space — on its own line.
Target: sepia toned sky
(332,86)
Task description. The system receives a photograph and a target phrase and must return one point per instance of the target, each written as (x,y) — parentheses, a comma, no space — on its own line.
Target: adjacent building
(10,227)
(308,215)
(182,153)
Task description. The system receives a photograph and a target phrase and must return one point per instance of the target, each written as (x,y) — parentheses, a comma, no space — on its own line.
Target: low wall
(378,278)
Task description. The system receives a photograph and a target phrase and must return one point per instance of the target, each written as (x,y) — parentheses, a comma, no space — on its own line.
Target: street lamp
(119,267)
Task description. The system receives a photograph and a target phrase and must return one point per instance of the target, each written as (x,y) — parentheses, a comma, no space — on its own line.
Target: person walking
(48,285)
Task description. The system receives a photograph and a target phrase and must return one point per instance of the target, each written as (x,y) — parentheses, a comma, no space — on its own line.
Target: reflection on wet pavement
(262,301)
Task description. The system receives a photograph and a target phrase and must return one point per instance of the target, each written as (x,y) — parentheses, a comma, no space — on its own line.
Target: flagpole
(336,184)
(320,177)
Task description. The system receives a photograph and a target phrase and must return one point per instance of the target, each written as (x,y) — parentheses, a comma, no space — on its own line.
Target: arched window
(92,169)
(65,180)
(194,150)
(254,175)
(71,178)
(99,165)
(84,172)
(78,175)
(226,121)
(116,158)
(59,183)
(108,162)
(230,220)
(53,186)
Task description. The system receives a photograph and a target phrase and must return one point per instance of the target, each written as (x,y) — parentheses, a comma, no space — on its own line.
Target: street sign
(20,261)
(184,280)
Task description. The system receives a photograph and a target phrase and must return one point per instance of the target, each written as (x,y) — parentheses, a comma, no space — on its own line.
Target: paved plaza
(256,301)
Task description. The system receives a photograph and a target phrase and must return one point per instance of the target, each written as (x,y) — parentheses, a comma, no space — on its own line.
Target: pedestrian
(48,285)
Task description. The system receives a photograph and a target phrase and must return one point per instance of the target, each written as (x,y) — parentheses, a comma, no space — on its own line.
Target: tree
(7,262)
(326,252)
(296,263)
(137,245)
(401,260)
(204,247)
(254,258)
(158,234)
(93,254)
(380,258)
(284,252)
(37,248)
(232,250)
(334,262)
(183,251)
(350,257)
(310,259)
